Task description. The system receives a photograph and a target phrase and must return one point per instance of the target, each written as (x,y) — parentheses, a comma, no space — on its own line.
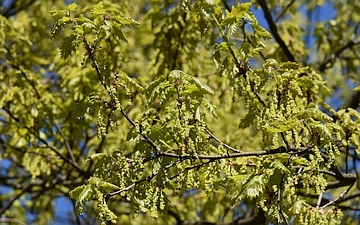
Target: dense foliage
(180,112)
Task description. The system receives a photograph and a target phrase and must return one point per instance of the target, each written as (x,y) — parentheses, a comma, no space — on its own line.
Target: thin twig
(338,199)
(221,143)
(284,10)
(68,147)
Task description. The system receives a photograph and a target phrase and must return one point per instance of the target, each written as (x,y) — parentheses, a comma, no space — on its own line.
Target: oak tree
(180,112)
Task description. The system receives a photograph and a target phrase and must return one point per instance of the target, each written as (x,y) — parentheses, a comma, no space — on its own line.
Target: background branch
(274,30)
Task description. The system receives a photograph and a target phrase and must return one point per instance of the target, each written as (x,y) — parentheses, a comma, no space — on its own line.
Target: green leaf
(203,86)
(72,7)
(176,75)
(57,14)
(238,189)
(289,65)
(254,187)
(125,22)
(96,157)
(278,165)
(130,82)
(84,196)
(281,125)
(69,46)
(98,9)
(236,13)
(142,205)
(322,129)
(298,206)
(132,134)
(117,31)
(74,194)
(316,114)
(64,20)
(106,187)
(262,32)
(248,119)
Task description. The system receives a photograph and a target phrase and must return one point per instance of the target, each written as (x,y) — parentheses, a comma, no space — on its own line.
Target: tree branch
(274,30)
(236,155)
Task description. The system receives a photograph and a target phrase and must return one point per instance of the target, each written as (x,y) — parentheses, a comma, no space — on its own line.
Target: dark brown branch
(274,31)
(236,155)
(352,207)
(176,216)
(349,180)
(342,179)
(226,5)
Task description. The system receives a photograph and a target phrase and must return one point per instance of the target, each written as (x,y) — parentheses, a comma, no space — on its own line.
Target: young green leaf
(98,9)
(236,13)
(254,187)
(69,46)
(281,125)
(262,32)
(84,196)
(72,7)
(203,86)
